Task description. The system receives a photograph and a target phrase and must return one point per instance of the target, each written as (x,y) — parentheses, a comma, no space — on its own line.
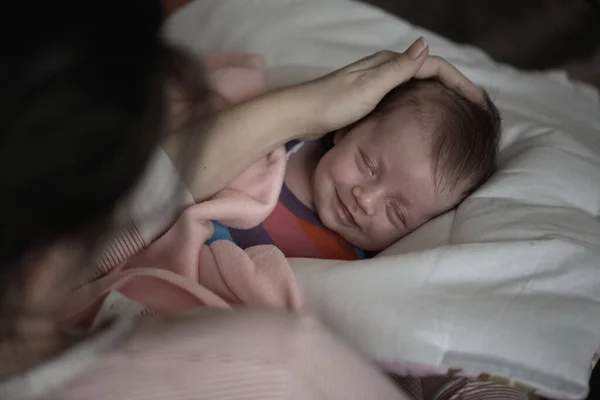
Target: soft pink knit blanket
(178,271)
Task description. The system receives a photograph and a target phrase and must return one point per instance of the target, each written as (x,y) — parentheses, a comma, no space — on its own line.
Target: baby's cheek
(340,158)
(346,173)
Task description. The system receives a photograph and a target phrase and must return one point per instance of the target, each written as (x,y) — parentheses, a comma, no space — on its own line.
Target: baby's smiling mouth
(346,214)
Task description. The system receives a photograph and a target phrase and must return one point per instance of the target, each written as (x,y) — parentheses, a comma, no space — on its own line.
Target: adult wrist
(296,112)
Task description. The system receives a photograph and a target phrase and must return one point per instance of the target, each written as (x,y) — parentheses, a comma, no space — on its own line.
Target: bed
(505,287)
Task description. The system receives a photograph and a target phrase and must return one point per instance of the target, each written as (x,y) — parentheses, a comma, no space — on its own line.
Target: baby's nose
(368,198)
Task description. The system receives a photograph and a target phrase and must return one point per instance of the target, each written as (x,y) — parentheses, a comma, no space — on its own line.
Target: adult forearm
(237,137)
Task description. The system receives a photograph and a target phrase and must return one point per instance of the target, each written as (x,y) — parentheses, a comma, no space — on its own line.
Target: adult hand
(350,93)
(242,134)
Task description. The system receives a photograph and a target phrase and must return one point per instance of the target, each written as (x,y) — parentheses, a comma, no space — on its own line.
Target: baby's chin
(364,244)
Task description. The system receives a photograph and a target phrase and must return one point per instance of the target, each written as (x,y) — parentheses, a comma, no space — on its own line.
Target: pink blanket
(178,271)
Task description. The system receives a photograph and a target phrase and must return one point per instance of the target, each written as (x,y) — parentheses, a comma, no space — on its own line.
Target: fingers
(414,52)
(390,68)
(437,67)
(417,49)
(385,70)
(372,61)
(398,68)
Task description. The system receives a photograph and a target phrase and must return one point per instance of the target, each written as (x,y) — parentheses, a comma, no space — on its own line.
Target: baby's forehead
(401,136)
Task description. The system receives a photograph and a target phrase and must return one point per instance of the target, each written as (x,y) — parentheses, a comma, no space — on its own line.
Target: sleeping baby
(422,151)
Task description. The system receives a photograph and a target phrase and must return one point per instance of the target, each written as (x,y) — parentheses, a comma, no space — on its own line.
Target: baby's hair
(465,133)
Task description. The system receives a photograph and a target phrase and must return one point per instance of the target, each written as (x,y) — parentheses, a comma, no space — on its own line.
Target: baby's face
(377,183)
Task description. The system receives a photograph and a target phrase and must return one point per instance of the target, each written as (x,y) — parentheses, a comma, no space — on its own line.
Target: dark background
(528,34)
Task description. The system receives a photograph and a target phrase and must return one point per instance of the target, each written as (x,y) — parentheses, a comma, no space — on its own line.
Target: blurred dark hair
(82,107)
(465,134)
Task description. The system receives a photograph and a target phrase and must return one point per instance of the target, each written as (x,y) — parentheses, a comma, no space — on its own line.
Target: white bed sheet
(509,283)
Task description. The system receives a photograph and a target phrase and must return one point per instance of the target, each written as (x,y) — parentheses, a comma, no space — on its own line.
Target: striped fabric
(295,229)
(123,246)
(468,389)
(456,389)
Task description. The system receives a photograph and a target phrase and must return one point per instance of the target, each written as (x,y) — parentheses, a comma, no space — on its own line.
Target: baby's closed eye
(396,214)
(367,163)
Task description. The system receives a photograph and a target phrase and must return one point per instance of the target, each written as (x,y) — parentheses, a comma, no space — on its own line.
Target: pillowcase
(508,283)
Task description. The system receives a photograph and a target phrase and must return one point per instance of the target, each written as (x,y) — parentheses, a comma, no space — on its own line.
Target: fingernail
(417,48)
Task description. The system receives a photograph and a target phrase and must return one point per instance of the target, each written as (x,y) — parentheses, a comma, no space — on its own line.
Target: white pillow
(509,283)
